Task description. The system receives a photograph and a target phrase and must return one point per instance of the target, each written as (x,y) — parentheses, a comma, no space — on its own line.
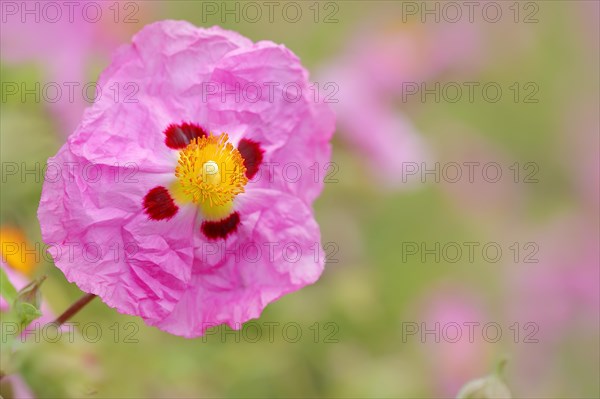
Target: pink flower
(62,48)
(390,54)
(63,38)
(480,178)
(558,295)
(370,124)
(372,75)
(210,224)
(17,387)
(454,347)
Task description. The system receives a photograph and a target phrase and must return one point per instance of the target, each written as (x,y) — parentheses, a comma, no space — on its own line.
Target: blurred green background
(372,291)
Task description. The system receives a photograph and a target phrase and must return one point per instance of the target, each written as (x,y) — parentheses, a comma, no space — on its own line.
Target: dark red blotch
(252,154)
(222,228)
(159,205)
(178,136)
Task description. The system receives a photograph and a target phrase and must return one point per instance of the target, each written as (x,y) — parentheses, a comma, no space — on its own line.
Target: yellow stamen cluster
(211,173)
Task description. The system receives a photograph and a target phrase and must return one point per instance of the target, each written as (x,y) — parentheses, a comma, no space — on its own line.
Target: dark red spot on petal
(159,205)
(252,154)
(222,228)
(179,136)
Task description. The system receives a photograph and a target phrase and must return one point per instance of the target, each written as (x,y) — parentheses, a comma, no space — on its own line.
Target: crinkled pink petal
(101,239)
(276,252)
(271,77)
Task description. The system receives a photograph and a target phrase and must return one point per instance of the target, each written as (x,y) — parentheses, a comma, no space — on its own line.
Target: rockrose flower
(190,205)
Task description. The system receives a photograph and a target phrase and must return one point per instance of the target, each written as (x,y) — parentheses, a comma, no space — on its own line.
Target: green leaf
(31,292)
(26,313)
(28,301)
(7,290)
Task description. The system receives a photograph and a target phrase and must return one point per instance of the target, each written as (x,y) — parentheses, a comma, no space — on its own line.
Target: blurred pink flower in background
(478,177)
(388,54)
(64,39)
(559,297)
(582,142)
(563,284)
(589,13)
(16,386)
(560,293)
(370,75)
(385,137)
(453,363)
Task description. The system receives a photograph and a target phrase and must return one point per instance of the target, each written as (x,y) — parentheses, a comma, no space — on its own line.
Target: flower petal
(100,237)
(150,84)
(276,251)
(276,108)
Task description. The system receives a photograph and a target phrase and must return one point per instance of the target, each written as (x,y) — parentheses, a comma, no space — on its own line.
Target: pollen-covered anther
(211,173)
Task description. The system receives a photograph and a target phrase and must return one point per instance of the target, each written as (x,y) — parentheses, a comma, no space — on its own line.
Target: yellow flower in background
(14,247)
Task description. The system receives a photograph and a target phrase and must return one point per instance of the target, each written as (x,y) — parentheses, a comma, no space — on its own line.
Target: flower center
(210,173)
